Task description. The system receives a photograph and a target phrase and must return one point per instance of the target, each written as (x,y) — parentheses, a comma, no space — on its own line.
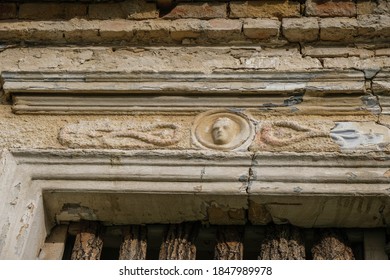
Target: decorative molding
(349,136)
(118,134)
(283,133)
(316,92)
(222,130)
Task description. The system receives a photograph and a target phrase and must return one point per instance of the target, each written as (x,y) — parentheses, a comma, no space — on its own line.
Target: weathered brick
(338,29)
(186,29)
(300,29)
(116,30)
(383,7)
(128,9)
(264,9)
(223,29)
(262,29)
(8,10)
(331,8)
(365,7)
(370,26)
(51,11)
(383,52)
(152,31)
(198,10)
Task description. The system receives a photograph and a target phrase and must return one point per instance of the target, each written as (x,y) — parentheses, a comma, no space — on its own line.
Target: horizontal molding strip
(318,92)
(326,189)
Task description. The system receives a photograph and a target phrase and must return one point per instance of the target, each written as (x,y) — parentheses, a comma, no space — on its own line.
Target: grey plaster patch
(75,212)
(360,135)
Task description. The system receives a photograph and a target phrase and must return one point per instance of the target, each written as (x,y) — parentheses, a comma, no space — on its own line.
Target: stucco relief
(222,130)
(321,136)
(118,134)
(282,133)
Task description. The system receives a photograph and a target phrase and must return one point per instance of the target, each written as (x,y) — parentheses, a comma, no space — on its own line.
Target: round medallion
(222,130)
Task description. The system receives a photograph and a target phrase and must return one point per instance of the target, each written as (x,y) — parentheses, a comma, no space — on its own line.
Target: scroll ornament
(118,134)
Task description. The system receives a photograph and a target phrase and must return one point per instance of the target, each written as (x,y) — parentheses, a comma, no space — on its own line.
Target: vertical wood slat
(332,244)
(282,242)
(229,244)
(178,243)
(54,246)
(134,243)
(88,244)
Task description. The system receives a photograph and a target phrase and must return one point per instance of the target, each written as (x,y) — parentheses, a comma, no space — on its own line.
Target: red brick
(331,8)
(198,10)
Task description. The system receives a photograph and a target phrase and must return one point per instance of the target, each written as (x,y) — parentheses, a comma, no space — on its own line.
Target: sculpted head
(224,130)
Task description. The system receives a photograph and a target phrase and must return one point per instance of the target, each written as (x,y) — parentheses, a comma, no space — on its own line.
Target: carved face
(223,131)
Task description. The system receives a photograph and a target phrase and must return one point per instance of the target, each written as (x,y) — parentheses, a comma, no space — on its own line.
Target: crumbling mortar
(228,9)
(370,80)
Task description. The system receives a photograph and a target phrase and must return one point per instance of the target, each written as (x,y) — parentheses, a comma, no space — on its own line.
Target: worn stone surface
(371,26)
(300,29)
(331,8)
(198,10)
(383,7)
(257,61)
(382,52)
(374,63)
(262,29)
(261,9)
(330,51)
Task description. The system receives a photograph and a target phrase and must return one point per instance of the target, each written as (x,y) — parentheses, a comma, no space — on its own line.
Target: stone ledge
(195,31)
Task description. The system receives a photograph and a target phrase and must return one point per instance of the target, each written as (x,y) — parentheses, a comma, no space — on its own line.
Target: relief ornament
(222,130)
(119,134)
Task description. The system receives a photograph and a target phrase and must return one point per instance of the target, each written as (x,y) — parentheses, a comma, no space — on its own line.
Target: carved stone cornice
(303,188)
(317,92)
